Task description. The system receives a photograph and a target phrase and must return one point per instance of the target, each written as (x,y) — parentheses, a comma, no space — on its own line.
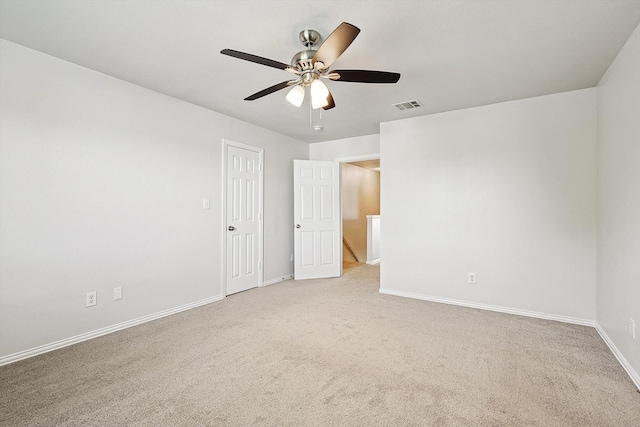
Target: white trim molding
(623,361)
(527,313)
(277,280)
(362,157)
(103,331)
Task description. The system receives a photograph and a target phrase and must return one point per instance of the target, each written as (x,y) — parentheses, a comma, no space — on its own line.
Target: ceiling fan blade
(366,76)
(336,44)
(331,103)
(270,90)
(256,59)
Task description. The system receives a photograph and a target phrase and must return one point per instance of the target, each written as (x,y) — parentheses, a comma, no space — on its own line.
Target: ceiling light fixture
(296,95)
(319,94)
(318,102)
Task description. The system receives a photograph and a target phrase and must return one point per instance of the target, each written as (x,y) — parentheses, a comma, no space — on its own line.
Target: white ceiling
(451,54)
(373,165)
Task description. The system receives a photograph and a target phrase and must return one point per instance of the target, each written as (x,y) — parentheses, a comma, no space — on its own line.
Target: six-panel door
(243,225)
(317,222)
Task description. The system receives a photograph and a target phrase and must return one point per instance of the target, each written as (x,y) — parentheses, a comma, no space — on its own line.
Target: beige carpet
(327,352)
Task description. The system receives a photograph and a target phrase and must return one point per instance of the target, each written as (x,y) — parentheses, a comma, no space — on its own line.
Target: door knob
(231,228)
(297,225)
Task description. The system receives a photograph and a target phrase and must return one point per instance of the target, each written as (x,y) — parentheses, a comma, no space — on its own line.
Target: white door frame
(350,159)
(225,144)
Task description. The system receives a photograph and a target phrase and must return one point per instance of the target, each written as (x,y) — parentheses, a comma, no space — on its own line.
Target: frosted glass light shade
(319,89)
(296,95)
(318,102)
(319,94)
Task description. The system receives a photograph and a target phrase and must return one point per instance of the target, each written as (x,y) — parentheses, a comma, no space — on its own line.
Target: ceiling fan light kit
(310,66)
(296,95)
(319,94)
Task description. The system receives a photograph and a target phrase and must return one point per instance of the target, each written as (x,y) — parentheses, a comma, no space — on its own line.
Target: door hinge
(260,167)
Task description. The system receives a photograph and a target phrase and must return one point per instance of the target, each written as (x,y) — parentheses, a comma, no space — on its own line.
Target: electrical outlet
(472,278)
(91,299)
(632,328)
(117,293)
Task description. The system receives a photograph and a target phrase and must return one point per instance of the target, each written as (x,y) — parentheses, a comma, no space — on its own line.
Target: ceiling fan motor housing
(303,60)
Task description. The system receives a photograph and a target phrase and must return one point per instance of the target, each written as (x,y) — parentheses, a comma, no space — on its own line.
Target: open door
(317,219)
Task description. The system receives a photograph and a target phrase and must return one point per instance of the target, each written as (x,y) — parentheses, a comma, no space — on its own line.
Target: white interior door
(243,215)
(317,236)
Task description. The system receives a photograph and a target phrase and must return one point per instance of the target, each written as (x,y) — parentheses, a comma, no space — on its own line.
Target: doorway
(360,189)
(316,243)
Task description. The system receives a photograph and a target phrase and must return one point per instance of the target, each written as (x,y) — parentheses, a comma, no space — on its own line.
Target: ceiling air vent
(408,105)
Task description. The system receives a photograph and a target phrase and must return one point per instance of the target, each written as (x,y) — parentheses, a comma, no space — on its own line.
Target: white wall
(367,146)
(373,239)
(101,186)
(506,191)
(360,197)
(618,271)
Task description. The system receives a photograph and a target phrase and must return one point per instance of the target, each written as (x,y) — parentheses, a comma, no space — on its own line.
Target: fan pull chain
(318,126)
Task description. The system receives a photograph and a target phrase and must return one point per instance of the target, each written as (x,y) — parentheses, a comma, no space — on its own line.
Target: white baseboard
(277,280)
(527,313)
(374,262)
(623,361)
(102,331)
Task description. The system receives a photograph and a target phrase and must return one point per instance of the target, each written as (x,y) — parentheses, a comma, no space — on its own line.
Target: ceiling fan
(310,66)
